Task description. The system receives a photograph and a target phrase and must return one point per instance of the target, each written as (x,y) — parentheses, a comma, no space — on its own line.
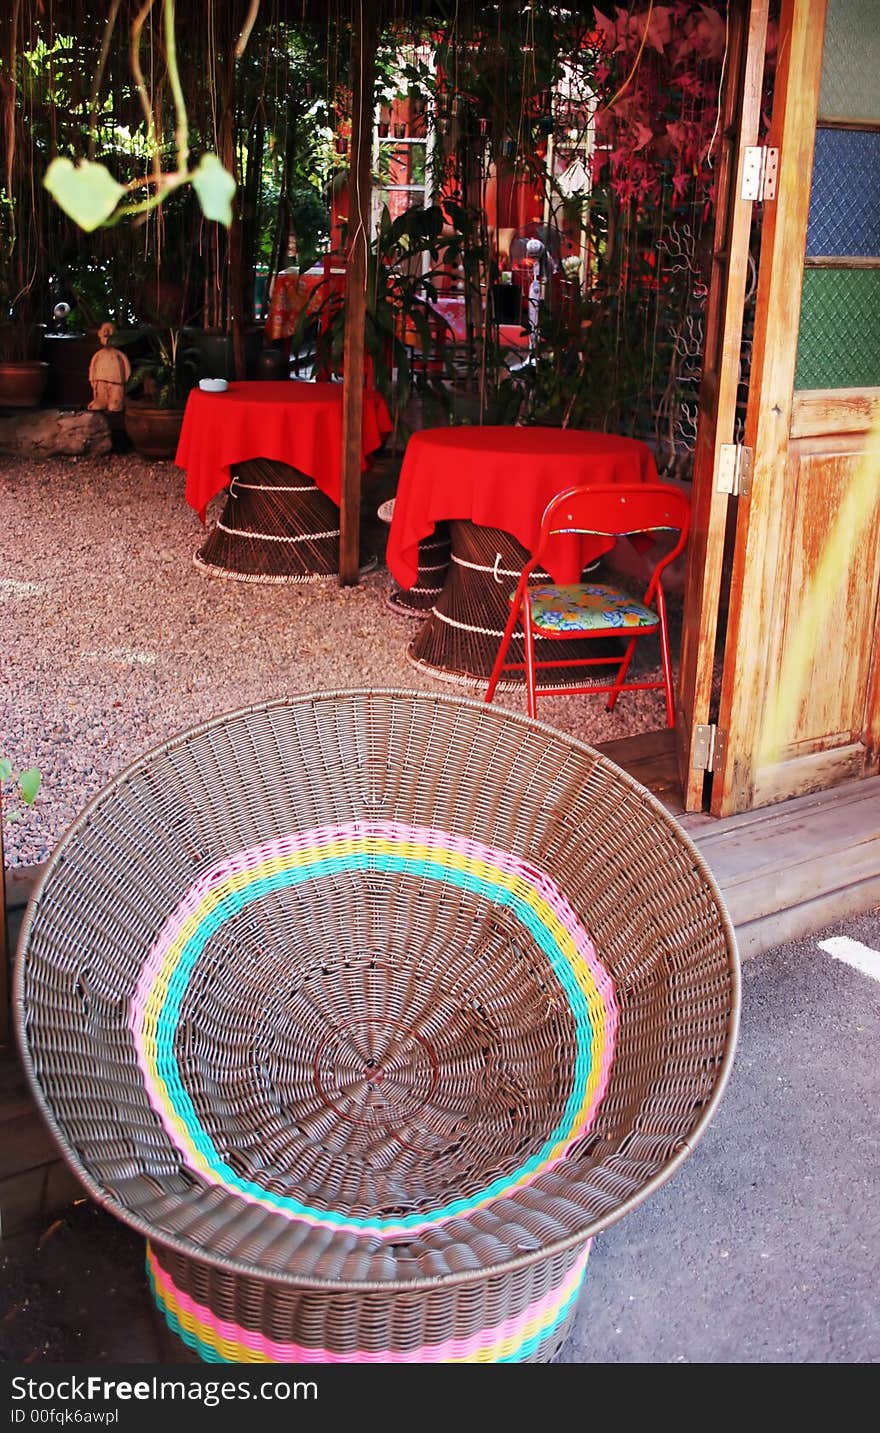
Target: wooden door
(800,693)
(738,129)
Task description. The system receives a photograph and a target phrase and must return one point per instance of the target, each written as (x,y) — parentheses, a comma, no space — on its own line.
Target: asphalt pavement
(762,1248)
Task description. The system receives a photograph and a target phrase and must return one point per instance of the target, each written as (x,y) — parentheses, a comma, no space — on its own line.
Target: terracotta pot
(23,383)
(153,432)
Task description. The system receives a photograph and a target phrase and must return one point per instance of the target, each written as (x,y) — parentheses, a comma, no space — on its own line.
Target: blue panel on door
(845,199)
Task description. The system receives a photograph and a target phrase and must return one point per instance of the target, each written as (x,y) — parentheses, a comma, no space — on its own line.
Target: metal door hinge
(760,167)
(708,748)
(735,465)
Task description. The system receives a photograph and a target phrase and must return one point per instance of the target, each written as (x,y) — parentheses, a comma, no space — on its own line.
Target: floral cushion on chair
(587,606)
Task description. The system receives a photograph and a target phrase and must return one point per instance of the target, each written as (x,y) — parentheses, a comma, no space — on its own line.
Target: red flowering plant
(658,72)
(657,132)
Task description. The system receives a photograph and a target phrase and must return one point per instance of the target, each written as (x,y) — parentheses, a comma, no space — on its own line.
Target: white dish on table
(213,385)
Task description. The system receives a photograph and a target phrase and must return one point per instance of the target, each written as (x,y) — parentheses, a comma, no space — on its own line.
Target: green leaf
(215,187)
(86,192)
(5,769)
(29,784)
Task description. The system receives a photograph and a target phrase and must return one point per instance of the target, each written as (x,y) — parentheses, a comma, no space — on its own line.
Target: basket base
(530,1321)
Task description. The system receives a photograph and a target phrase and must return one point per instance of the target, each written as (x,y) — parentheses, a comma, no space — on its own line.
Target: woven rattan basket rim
(209,1256)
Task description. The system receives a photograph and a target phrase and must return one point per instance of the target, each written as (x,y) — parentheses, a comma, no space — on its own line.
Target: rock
(50,432)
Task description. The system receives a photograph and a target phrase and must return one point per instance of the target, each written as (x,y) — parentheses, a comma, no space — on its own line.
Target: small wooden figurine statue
(109,371)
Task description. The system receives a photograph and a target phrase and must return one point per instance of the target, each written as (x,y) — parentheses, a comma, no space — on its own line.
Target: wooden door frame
(739,124)
(754,635)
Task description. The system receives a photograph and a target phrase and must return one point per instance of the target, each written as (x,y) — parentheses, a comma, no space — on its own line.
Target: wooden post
(363,69)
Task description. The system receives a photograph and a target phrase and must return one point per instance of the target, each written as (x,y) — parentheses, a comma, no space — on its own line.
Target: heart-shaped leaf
(29,784)
(86,192)
(215,187)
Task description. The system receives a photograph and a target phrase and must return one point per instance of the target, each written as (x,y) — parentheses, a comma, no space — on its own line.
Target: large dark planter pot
(273,364)
(215,352)
(153,432)
(161,300)
(23,383)
(68,356)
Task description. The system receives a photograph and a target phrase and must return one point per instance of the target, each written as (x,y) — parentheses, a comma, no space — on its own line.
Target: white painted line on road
(852,952)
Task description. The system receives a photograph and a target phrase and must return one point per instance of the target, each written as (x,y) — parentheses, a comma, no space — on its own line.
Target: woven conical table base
(434,554)
(276,526)
(460,638)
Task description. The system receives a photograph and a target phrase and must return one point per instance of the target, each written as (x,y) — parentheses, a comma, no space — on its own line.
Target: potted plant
(23,375)
(158,389)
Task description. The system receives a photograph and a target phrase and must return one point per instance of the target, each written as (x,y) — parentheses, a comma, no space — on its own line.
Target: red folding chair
(597,609)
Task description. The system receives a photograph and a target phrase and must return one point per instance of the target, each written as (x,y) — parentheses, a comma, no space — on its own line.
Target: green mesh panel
(850,86)
(839,340)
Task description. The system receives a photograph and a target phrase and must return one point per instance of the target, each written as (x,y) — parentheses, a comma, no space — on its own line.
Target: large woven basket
(368,1010)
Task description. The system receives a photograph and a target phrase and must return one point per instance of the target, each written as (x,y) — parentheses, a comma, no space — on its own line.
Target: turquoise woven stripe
(235,901)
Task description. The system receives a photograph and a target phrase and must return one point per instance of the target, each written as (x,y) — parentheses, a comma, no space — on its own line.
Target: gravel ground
(114,641)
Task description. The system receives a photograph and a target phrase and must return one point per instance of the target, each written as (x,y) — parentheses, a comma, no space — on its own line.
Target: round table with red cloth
(278,448)
(299,424)
(504,478)
(491,485)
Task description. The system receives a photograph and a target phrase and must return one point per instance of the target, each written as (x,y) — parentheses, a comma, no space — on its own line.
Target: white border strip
(852,952)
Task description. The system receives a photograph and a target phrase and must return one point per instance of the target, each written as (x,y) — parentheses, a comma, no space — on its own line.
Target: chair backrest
(617,510)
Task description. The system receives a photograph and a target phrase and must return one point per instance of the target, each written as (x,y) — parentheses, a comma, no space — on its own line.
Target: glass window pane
(845,200)
(850,86)
(839,338)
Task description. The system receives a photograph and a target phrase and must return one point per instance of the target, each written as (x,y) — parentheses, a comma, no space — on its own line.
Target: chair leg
(503,647)
(529,643)
(621,674)
(665,658)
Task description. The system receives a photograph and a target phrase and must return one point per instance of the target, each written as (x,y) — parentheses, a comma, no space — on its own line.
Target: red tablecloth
(291,294)
(504,478)
(295,423)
